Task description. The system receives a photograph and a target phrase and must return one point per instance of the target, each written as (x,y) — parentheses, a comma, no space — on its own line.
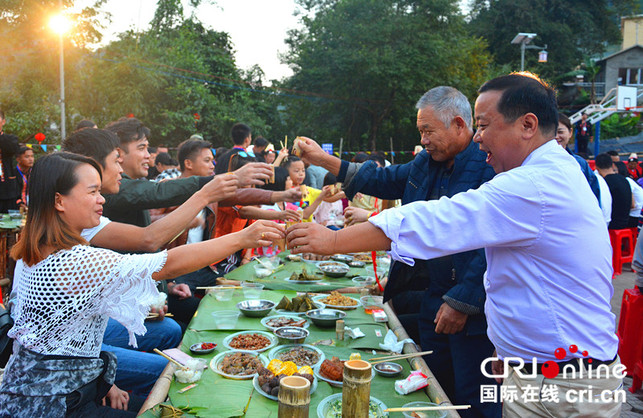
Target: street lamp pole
(62,87)
(523,39)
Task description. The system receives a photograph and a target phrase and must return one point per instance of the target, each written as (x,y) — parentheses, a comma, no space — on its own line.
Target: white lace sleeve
(129,296)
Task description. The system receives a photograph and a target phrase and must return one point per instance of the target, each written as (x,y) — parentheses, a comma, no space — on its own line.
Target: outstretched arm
(317,239)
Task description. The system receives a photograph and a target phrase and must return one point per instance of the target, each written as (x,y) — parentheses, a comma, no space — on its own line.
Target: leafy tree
(368,62)
(571,29)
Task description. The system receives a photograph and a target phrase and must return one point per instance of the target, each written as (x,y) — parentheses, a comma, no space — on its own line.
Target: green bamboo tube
(294,397)
(356,390)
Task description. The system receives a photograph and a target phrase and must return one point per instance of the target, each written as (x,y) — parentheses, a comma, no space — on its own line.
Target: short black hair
(85,123)
(239,133)
(92,142)
(163,158)
(128,130)
(329,179)
(378,158)
(288,161)
(152,150)
(524,93)
(604,161)
(22,150)
(612,152)
(237,161)
(279,185)
(190,149)
(360,157)
(260,141)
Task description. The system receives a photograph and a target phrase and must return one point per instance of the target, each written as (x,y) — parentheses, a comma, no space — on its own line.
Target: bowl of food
(237,364)
(253,341)
(251,290)
(343,258)
(357,264)
(325,318)
(331,407)
(337,301)
(225,319)
(203,348)
(423,414)
(364,280)
(278,321)
(291,335)
(256,308)
(222,293)
(388,369)
(333,268)
(267,383)
(372,302)
(300,354)
(293,257)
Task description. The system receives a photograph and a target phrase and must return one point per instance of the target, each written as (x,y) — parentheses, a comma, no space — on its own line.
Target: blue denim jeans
(136,370)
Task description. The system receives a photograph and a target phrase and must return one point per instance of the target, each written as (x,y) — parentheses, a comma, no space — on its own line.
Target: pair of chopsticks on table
(153,315)
(428,408)
(397,357)
(160,353)
(219,287)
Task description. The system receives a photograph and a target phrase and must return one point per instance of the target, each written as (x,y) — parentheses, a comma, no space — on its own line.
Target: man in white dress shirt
(549,270)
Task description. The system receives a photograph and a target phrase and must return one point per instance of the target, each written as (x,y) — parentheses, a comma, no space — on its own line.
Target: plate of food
(338,301)
(278,321)
(298,305)
(364,257)
(301,355)
(237,364)
(333,268)
(267,383)
(253,341)
(344,258)
(332,371)
(331,407)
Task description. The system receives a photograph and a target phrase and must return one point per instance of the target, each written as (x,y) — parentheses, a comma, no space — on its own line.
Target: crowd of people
(499,236)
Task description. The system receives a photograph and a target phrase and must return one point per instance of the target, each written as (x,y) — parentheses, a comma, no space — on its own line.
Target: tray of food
(305,277)
(331,407)
(299,304)
(332,371)
(301,355)
(255,341)
(266,382)
(364,257)
(278,321)
(238,364)
(344,258)
(338,301)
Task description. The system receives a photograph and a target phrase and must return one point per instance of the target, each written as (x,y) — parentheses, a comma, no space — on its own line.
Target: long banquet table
(216,396)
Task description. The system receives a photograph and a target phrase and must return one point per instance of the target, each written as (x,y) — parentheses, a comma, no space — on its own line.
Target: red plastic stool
(622,248)
(630,334)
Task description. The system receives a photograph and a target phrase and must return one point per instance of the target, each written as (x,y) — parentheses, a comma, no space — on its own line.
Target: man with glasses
(241,137)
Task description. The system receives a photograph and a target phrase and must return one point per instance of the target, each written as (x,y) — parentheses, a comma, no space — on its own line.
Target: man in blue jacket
(452,321)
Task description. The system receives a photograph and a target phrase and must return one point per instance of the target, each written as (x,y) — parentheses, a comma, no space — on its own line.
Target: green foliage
(369,61)
(620,125)
(571,29)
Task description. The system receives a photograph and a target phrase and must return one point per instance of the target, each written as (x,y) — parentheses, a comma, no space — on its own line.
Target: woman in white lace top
(67,290)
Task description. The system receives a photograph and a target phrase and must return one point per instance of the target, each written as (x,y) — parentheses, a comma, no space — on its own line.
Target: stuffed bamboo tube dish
(356,391)
(294,397)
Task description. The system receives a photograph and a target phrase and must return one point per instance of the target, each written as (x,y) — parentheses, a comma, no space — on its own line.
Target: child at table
(311,197)
(67,290)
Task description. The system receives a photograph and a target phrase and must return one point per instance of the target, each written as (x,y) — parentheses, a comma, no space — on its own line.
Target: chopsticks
(219,287)
(159,352)
(397,357)
(155,315)
(429,408)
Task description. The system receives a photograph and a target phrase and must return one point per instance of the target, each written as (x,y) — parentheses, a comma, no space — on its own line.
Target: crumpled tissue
(354,332)
(392,344)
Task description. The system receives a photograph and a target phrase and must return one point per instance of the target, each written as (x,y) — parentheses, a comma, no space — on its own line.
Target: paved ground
(634,406)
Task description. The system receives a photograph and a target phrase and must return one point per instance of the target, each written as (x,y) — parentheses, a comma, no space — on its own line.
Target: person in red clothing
(634,170)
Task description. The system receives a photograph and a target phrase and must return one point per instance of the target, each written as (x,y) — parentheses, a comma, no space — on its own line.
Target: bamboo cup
(294,397)
(356,391)
(281,242)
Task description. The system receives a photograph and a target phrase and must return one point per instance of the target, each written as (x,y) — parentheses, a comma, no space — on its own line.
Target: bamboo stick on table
(434,391)
(399,356)
(429,408)
(160,389)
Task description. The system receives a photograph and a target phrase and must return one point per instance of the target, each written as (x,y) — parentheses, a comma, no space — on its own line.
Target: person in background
(563,135)
(259,148)
(241,138)
(620,165)
(168,167)
(330,214)
(270,154)
(9,187)
(311,197)
(153,171)
(583,135)
(85,123)
(637,195)
(634,169)
(622,198)
(25,160)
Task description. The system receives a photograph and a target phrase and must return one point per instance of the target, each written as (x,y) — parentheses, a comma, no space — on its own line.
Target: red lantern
(40,137)
(130,115)
(197,116)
